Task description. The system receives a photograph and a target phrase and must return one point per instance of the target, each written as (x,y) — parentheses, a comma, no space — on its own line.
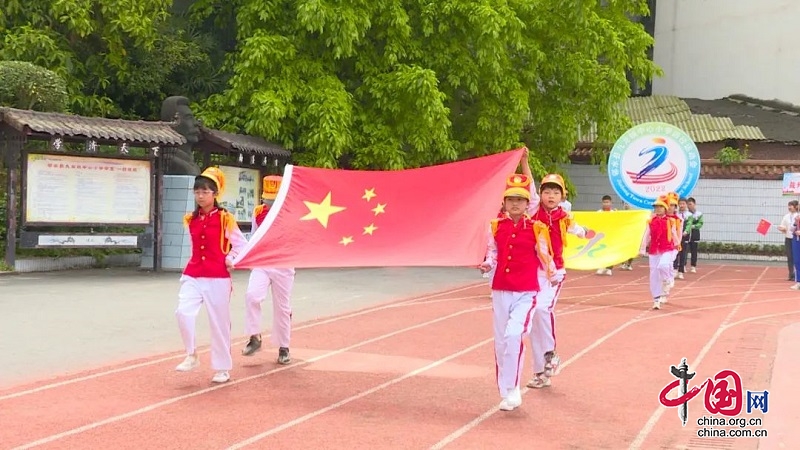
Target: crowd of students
(692,223)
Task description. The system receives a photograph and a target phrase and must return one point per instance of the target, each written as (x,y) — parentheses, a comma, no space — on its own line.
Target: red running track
(420,374)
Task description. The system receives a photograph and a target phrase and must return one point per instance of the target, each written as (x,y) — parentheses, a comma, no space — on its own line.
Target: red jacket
(521,249)
(214,235)
(260,213)
(661,235)
(557,222)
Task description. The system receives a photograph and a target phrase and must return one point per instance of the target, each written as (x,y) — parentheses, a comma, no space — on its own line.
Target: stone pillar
(176,244)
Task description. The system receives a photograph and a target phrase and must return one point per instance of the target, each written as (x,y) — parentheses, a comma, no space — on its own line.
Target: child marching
(518,246)
(216,240)
(659,241)
(559,222)
(278,280)
(694,232)
(607,204)
(680,262)
(676,225)
(548,208)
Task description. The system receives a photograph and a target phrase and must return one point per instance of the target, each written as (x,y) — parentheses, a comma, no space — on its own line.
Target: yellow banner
(614,237)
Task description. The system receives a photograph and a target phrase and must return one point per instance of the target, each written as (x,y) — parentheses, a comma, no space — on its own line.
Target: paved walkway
(61,322)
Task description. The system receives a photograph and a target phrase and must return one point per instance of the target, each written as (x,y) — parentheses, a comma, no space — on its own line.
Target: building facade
(710,49)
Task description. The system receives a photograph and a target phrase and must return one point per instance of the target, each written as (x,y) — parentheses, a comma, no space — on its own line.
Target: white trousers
(215,293)
(280,283)
(543,331)
(660,272)
(512,320)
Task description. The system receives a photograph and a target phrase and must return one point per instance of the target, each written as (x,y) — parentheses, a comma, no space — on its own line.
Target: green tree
(119,58)
(405,83)
(27,86)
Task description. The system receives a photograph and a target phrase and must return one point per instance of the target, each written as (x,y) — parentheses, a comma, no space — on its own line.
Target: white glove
(558,277)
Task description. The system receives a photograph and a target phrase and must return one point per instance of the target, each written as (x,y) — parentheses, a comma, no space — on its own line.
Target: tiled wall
(732,208)
(178,200)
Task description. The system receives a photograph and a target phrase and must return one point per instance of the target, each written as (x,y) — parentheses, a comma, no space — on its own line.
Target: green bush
(730,155)
(740,249)
(27,86)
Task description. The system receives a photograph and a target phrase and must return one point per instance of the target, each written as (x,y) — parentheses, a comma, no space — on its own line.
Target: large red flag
(432,216)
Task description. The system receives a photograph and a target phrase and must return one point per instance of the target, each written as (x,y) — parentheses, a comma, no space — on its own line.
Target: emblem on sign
(652,159)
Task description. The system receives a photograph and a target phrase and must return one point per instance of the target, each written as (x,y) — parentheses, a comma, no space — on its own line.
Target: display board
(67,189)
(242,192)
(791,184)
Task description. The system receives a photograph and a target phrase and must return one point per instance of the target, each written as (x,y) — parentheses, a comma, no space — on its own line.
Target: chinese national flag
(432,216)
(763,226)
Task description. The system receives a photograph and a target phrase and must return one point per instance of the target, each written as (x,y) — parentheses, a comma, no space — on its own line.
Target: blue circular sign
(650,160)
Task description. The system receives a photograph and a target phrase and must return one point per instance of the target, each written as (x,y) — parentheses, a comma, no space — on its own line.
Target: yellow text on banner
(613,238)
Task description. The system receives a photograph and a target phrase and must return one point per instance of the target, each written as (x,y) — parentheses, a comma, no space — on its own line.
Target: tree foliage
(119,57)
(406,83)
(27,86)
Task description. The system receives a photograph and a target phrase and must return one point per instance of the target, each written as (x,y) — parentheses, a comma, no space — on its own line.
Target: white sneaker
(795,287)
(656,304)
(512,400)
(693,270)
(190,363)
(221,377)
(609,272)
(539,381)
(600,272)
(679,276)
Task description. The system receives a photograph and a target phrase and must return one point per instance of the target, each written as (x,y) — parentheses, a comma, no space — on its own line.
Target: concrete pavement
(54,323)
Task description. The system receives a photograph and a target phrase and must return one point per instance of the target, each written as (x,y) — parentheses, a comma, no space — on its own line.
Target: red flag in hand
(433,216)
(763,227)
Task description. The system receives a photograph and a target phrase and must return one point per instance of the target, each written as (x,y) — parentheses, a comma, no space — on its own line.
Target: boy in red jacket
(551,209)
(278,280)
(518,247)
(552,191)
(660,240)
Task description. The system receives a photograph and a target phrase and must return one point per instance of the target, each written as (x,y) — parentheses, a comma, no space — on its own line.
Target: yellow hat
(661,201)
(518,186)
(672,198)
(556,179)
(217,176)
(270,187)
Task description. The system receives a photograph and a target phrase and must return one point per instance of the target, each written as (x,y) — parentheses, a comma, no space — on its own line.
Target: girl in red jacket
(216,239)
(518,247)
(660,239)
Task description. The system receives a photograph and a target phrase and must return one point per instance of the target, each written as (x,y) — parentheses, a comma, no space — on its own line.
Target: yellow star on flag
(379,209)
(368,194)
(370,229)
(346,240)
(321,211)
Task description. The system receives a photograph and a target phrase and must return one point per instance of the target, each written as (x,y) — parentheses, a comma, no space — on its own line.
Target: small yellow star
(379,209)
(321,211)
(370,229)
(368,194)
(346,240)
